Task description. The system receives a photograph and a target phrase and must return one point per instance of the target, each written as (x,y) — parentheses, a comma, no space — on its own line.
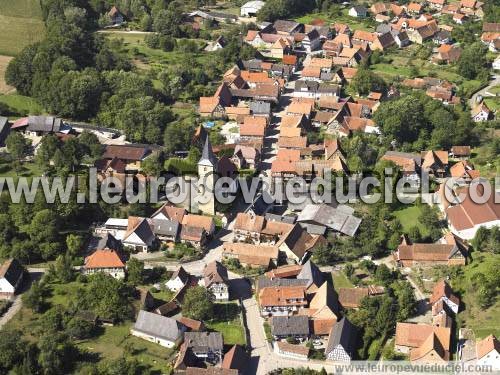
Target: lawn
(232,332)
(111,342)
(354,23)
(228,322)
(340,280)
(21,24)
(27,169)
(493,103)
(21,105)
(144,57)
(397,63)
(409,218)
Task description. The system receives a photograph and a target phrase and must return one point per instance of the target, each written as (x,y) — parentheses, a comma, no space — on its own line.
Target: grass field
(21,24)
(111,343)
(21,105)
(409,218)
(228,323)
(340,280)
(232,332)
(354,23)
(26,169)
(145,58)
(493,103)
(397,63)
(4,88)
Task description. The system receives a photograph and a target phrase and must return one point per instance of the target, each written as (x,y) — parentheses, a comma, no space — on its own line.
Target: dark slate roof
(312,274)
(4,130)
(313,34)
(343,333)
(158,326)
(442,35)
(165,227)
(325,88)
(264,282)
(383,28)
(11,270)
(360,9)
(144,232)
(297,325)
(107,241)
(208,156)
(260,108)
(236,358)
(204,341)
(308,85)
(182,274)
(289,219)
(259,206)
(46,124)
(285,25)
(254,64)
(338,218)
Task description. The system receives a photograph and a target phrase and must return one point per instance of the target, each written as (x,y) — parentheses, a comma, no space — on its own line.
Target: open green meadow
(409,218)
(411,61)
(353,22)
(21,24)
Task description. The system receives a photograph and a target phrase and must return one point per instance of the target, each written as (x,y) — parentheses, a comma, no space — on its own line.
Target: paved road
(494,82)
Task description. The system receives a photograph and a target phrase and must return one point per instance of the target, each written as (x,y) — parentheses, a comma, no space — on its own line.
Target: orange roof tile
(105,258)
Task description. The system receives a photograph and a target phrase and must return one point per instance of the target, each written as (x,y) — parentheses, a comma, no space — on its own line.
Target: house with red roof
(107,261)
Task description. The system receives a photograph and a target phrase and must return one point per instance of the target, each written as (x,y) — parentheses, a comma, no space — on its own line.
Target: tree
(107,297)
(365,81)
(74,244)
(48,147)
(198,303)
(35,297)
(414,234)
(19,72)
(57,353)
(79,328)
(472,61)
(283,9)
(383,274)
(12,348)
(405,110)
(407,304)
(143,119)
(62,269)
(44,230)
(17,145)
(135,271)
(349,270)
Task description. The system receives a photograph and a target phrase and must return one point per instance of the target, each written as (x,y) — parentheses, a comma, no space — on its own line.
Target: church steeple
(208,157)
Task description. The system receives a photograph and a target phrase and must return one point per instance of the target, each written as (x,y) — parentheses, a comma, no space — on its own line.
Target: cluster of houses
(167,226)
(270,240)
(430,342)
(299,304)
(199,350)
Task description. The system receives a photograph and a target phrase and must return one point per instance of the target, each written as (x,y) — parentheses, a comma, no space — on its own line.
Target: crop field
(21,24)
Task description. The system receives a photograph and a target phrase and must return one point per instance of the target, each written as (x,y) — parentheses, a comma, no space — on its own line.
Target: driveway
(494,82)
(34,274)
